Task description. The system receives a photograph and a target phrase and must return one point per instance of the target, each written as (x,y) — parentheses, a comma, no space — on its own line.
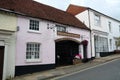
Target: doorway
(1,61)
(65,52)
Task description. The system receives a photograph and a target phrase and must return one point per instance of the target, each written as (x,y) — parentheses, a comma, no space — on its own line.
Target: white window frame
(32,50)
(103,47)
(35,24)
(110,26)
(61,28)
(119,28)
(97,20)
(110,41)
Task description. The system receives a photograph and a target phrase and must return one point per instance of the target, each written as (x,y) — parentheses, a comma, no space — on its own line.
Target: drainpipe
(90,31)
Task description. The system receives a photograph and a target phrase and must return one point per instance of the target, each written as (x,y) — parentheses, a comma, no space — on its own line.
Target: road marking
(84,69)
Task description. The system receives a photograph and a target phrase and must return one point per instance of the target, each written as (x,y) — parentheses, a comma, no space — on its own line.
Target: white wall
(88,16)
(105,28)
(83,17)
(115,33)
(9,54)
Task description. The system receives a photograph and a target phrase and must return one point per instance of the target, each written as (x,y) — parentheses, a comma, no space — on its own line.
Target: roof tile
(38,10)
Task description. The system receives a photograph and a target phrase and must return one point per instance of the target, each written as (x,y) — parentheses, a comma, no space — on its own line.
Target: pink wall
(47,49)
(82,32)
(46,37)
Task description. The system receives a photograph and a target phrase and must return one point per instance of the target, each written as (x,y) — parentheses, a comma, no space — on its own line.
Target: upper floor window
(119,28)
(61,28)
(34,25)
(109,24)
(97,20)
(32,51)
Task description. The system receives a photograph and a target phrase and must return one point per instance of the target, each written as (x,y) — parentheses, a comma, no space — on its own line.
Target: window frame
(119,28)
(33,59)
(110,26)
(97,20)
(101,47)
(34,25)
(110,42)
(61,28)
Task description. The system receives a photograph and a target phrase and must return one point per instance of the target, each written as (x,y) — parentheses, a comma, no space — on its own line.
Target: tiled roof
(38,10)
(74,9)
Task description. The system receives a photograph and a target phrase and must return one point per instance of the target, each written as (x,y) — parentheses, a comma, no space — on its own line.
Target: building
(45,36)
(104,29)
(8,23)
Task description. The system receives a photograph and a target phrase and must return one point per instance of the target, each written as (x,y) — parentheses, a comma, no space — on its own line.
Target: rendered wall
(46,37)
(8,21)
(8,25)
(47,45)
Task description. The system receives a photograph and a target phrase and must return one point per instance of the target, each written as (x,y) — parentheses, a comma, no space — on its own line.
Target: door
(1,61)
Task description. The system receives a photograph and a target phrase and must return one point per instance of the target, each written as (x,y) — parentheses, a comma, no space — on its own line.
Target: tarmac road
(109,71)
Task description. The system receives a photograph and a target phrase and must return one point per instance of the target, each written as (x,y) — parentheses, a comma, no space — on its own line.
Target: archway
(66,49)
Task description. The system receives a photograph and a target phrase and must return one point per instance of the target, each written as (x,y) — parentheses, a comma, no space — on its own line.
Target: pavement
(60,71)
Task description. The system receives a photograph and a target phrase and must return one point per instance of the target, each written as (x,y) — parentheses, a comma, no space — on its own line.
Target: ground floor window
(32,51)
(101,44)
(110,44)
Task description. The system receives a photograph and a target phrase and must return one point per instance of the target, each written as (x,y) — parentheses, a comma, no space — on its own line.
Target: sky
(108,7)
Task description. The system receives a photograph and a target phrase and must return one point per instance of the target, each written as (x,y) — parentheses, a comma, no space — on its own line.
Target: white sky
(108,7)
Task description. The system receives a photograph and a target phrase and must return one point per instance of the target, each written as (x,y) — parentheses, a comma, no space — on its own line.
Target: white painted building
(104,29)
(8,22)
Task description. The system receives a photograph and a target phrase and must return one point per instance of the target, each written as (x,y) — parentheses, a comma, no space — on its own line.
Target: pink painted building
(47,37)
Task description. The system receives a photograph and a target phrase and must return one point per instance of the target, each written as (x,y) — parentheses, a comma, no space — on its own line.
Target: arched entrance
(66,49)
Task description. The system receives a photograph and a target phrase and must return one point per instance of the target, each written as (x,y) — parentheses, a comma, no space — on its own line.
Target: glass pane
(32,51)
(34,25)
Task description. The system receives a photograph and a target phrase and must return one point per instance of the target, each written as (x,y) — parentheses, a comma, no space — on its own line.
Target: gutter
(6,10)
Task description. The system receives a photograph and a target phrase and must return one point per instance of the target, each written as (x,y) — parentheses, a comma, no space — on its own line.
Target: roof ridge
(42,11)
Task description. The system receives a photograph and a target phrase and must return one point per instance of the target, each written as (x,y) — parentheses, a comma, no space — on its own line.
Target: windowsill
(33,60)
(32,31)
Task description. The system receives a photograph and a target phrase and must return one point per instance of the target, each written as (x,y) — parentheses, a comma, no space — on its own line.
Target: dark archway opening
(65,52)
(1,61)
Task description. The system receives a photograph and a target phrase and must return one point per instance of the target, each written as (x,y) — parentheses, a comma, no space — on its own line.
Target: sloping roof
(74,9)
(38,10)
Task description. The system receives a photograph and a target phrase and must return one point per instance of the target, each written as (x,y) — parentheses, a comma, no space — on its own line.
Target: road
(109,71)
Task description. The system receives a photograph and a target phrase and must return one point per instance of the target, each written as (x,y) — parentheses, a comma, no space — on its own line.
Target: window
(119,28)
(110,43)
(101,44)
(32,51)
(109,24)
(61,28)
(34,25)
(97,20)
